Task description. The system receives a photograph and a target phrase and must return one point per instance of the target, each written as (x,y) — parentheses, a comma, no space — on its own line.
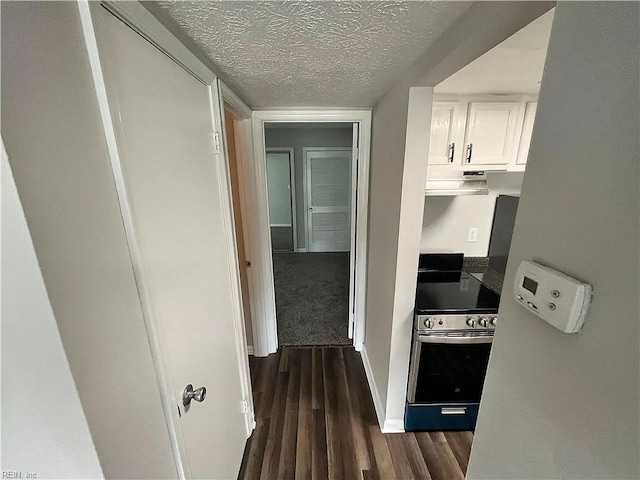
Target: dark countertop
(479,268)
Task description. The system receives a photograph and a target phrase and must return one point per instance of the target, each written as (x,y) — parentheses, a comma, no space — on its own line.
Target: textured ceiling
(312,53)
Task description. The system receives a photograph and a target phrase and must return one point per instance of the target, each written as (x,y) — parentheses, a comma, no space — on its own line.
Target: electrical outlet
(472,236)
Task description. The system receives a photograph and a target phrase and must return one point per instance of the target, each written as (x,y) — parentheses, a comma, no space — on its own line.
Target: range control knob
(471,322)
(494,320)
(484,321)
(428,323)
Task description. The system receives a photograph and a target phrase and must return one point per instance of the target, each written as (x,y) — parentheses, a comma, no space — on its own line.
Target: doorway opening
(311,177)
(309,188)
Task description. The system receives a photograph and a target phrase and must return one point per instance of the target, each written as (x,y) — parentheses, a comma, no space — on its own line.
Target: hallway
(312,298)
(315,420)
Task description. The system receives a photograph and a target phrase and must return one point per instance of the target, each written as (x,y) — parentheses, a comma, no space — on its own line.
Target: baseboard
(250,349)
(301,250)
(393,426)
(375,394)
(281,225)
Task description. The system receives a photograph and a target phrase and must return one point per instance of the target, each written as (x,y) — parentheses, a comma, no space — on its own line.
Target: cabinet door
(442,147)
(527,131)
(491,129)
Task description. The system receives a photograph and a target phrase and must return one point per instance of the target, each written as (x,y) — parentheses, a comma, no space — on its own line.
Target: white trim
(250,349)
(280,225)
(373,387)
(301,250)
(393,426)
(306,179)
(292,191)
(231,247)
(265,331)
(234,102)
(153,332)
(145,24)
(355,158)
(266,326)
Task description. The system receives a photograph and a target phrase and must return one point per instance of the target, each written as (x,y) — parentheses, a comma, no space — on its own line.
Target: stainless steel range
(455,318)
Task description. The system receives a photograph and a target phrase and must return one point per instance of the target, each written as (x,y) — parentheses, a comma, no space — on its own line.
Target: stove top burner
(453,292)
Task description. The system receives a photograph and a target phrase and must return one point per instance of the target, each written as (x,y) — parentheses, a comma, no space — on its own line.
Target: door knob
(189,394)
(311,209)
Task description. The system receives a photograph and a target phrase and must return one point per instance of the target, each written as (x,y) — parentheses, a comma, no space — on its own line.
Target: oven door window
(451,373)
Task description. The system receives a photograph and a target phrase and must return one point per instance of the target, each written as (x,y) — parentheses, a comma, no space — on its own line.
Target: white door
(442,146)
(328,198)
(163,120)
(355,158)
(527,132)
(491,129)
(279,189)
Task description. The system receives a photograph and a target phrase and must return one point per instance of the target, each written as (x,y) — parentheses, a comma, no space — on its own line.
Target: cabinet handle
(469,152)
(452,149)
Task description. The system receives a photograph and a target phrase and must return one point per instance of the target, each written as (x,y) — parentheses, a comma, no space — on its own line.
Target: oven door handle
(453,340)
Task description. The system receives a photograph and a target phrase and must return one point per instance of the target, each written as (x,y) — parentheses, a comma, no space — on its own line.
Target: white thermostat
(558,299)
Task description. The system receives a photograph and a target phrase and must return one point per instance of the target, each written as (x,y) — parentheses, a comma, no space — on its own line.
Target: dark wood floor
(315,420)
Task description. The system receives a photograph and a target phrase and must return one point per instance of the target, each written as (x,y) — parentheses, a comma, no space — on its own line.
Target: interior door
(279,189)
(355,158)
(328,185)
(491,130)
(163,121)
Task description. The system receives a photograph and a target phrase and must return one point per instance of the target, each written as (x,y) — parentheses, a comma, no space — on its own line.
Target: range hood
(449,183)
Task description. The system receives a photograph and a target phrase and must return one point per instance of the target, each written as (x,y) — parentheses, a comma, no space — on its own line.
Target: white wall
(446,220)
(44,431)
(297,138)
(397,191)
(279,189)
(53,134)
(558,405)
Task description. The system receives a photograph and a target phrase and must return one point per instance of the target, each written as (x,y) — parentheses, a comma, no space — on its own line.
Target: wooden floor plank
(304,438)
(460,443)
(287,462)
(320,467)
(344,414)
(398,451)
(271,461)
(335,449)
(315,419)
(382,455)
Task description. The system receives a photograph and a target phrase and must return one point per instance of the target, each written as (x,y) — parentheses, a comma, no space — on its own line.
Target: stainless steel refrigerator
(504,219)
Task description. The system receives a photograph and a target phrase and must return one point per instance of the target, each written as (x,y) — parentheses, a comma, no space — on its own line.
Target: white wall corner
(375,393)
(409,238)
(393,425)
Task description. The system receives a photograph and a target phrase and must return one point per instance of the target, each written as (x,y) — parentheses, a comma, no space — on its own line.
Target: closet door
(163,124)
(328,185)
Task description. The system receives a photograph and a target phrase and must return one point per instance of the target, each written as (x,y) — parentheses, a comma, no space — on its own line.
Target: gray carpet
(282,239)
(312,298)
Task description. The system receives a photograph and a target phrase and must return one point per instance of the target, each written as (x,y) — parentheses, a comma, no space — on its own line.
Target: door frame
(139,19)
(265,327)
(292,190)
(305,185)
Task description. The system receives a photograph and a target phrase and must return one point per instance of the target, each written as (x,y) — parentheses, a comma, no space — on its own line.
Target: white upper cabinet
(442,142)
(490,134)
(481,132)
(527,131)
